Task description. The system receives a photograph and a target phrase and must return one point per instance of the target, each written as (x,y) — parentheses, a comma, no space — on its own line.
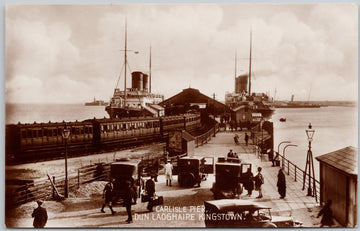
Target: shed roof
(345,160)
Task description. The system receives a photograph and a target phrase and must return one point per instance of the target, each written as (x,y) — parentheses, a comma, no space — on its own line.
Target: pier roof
(193,96)
(345,159)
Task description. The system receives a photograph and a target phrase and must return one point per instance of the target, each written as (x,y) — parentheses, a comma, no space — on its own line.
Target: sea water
(335,127)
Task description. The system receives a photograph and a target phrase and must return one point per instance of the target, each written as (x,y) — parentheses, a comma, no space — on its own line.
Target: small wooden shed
(338,182)
(180,142)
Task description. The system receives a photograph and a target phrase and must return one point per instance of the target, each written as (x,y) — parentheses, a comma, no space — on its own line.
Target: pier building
(338,182)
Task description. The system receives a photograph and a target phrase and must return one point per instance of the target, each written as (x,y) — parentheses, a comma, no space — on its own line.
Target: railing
(299,175)
(42,189)
(204,138)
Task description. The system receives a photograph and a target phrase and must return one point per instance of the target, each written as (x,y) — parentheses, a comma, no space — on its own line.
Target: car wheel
(189,180)
(269,225)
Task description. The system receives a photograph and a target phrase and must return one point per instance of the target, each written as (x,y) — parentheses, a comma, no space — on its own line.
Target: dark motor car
(122,171)
(192,170)
(229,178)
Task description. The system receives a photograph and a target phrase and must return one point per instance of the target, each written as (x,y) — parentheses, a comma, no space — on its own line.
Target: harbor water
(335,127)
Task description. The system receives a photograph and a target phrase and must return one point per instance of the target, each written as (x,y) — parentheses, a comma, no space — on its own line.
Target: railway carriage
(37,141)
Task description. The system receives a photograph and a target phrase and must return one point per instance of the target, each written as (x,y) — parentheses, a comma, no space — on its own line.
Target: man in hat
(168,172)
(40,215)
(150,189)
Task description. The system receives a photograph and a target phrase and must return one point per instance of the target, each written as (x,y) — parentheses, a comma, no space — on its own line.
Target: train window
(29,135)
(81,130)
(105,128)
(45,132)
(23,134)
(49,132)
(40,133)
(77,131)
(86,130)
(90,130)
(55,132)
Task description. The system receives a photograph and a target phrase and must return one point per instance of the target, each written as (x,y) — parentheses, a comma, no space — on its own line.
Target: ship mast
(235,72)
(150,71)
(125,58)
(250,63)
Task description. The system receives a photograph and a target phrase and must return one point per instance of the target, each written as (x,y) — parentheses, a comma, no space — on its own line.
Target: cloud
(76,50)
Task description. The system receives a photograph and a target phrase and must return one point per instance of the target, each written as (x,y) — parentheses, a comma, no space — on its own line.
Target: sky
(73,53)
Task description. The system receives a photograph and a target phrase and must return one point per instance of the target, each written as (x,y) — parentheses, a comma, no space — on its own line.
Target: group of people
(252,182)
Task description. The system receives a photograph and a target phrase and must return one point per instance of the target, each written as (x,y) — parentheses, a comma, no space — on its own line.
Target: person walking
(150,190)
(246,139)
(40,216)
(327,215)
(259,180)
(168,172)
(107,195)
(281,184)
(128,199)
(248,181)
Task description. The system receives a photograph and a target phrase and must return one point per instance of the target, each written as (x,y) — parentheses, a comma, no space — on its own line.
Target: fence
(299,175)
(204,138)
(42,189)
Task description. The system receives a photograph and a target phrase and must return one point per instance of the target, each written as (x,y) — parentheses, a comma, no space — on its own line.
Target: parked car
(192,170)
(121,171)
(243,213)
(229,178)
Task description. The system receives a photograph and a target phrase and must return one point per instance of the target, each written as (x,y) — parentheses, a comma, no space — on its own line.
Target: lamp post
(65,134)
(309,162)
(289,145)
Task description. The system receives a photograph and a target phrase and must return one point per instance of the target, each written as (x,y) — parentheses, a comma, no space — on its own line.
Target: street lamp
(289,145)
(309,162)
(65,134)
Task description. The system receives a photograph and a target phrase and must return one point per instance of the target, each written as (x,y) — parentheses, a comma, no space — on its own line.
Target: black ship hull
(126,112)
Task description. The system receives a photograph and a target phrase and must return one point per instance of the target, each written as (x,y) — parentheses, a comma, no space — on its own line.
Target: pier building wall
(338,182)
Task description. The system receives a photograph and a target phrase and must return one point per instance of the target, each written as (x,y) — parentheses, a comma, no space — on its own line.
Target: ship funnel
(241,83)
(137,80)
(145,82)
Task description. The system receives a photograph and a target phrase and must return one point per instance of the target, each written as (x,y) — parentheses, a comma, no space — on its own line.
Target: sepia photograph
(181,115)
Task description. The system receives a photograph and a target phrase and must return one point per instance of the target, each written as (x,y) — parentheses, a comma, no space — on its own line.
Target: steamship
(138,100)
(243,98)
(135,101)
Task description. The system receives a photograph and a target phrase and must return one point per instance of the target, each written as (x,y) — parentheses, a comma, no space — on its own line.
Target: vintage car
(123,171)
(192,170)
(229,174)
(243,213)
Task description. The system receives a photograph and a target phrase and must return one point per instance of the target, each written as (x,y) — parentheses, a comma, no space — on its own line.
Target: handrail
(298,174)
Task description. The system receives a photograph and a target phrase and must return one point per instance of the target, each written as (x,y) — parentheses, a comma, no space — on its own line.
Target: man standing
(246,139)
(248,181)
(150,189)
(168,172)
(128,199)
(281,184)
(107,194)
(259,180)
(40,216)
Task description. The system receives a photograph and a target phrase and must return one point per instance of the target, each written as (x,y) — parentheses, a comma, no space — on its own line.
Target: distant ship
(243,98)
(295,104)
(96,103)
(137,100)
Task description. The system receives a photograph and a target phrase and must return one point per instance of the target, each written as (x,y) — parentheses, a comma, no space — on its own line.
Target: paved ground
(183,207)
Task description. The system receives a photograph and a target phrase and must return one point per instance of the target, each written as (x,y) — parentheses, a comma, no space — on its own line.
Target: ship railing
(298,174)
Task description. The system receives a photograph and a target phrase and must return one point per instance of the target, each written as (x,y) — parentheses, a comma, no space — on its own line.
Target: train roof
(49,124)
